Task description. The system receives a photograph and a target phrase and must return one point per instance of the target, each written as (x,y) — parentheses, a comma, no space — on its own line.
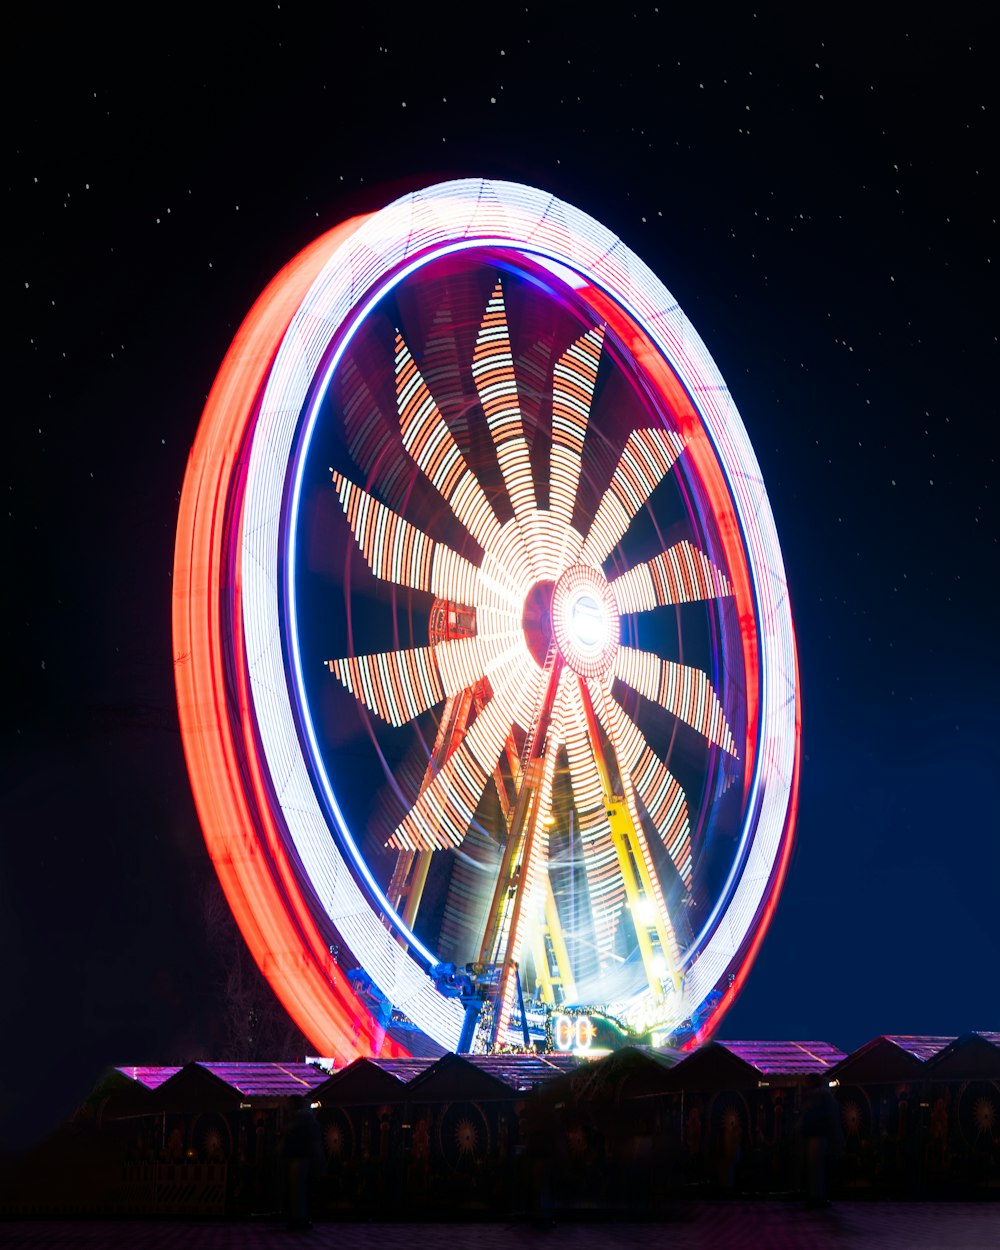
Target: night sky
(813,192)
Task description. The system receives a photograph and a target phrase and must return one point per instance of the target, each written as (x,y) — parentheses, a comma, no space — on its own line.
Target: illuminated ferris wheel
(485,666)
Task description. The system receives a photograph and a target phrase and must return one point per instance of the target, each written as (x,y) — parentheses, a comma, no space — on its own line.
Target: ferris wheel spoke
(604,881)
(573,382)
(624,734)
(379,457)
(398,552)
(664,800)
(399,685)
(682,690)
(493,371)
(646,776)
(430,443)
(445,809)
(505,574)
(396,685)
(518,687)
(681,574)
(443,812)
(646,459)
(463,662)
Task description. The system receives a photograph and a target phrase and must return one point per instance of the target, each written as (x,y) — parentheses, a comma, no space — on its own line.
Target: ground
(766,1225)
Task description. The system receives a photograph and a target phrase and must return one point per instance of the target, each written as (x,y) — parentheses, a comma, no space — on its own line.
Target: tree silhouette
(252,1024)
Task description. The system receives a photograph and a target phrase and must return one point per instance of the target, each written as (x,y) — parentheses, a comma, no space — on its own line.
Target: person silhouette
(302,1148)
(820,1126)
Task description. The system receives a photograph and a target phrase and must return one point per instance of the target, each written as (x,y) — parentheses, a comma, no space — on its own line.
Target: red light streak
(264,897)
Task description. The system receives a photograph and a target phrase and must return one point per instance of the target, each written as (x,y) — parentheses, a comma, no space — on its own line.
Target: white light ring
(402,237)
(580,580)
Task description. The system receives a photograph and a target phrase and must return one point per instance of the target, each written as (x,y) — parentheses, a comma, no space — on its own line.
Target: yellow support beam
(559,948)
(648,919)
(549,932)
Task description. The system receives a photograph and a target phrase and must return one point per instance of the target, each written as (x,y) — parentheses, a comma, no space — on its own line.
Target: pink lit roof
(922,1046)
(786,1058)
(268,1080)
(151,1077)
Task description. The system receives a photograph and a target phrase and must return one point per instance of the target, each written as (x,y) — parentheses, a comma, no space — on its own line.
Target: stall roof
(521,1072)
(525,1072)
(268,1080)
(365,1081)
(971,1056)
(631,1072)
(151,1077)
(403,1069)
(225,1086)
(921,1046)
(454,1076)
(740,1064)
(886,1059)
(786,1058)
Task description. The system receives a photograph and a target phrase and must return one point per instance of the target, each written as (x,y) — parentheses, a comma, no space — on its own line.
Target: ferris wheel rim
(473,191)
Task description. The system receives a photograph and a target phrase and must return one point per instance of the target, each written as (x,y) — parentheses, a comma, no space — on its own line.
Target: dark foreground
(764,1225)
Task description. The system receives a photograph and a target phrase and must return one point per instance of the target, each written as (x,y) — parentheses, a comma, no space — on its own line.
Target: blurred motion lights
(482,640)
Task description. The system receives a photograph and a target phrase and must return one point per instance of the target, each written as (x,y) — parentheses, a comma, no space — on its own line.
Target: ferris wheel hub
(585,620)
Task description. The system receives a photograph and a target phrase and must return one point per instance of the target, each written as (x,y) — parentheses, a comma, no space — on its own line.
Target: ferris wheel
(485,665)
